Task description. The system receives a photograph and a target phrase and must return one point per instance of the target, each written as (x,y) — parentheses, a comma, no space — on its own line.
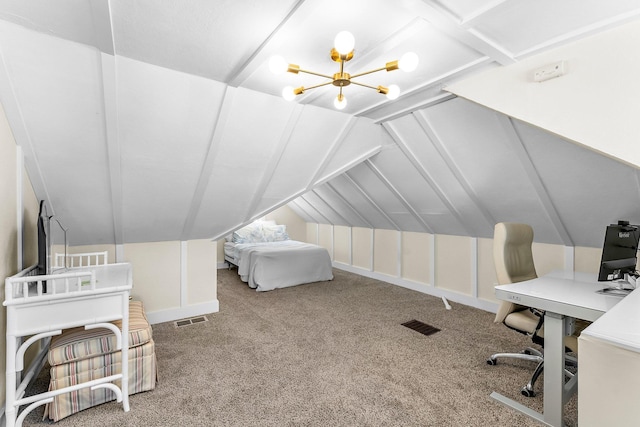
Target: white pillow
(275,233)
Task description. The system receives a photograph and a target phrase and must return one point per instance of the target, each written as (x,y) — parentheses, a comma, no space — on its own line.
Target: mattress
(272,265)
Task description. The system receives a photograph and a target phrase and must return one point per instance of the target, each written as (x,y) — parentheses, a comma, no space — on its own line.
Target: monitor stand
(622,287)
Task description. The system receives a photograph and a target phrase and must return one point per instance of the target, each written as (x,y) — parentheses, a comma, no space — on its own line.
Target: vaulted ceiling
(157,120)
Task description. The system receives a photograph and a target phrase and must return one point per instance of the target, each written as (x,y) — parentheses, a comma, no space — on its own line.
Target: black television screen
(619,251)
(43,242)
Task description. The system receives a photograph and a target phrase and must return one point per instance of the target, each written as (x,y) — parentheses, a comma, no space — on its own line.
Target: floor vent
(423,328)
(191,321)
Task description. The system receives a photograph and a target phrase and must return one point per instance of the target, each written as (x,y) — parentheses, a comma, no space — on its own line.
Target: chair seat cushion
(524,321)
(78,343)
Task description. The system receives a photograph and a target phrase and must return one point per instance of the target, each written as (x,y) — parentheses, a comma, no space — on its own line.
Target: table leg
(554,368)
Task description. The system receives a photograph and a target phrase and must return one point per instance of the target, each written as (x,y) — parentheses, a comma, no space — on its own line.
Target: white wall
(174,279)
(457,267)
(15,201)
(595,103)
(296,227)
(8,224)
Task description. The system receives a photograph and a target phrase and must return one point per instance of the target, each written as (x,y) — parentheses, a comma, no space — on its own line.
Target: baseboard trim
(469,300)
(172,314)
(421,287)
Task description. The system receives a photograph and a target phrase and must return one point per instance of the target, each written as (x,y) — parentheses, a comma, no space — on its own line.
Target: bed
(268,259)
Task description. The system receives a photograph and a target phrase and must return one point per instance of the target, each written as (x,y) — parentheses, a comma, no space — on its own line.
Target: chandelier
(343,52)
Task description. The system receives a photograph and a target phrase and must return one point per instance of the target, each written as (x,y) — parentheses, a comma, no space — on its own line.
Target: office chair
(513,261)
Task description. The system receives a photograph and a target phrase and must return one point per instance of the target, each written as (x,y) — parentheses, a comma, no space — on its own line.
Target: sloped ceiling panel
(248,175)
(131,152)
(165,123)
(348,189)
(584,187)
(172,34)
(444,178)
(320,145)
(490,184)
(84,22)
(51,93)
(449,207)
(343,207)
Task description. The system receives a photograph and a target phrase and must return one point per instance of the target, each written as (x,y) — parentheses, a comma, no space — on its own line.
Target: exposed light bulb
(340,102)
(394,92)
(344,42)
(278,65)
(408,62)
(288,93)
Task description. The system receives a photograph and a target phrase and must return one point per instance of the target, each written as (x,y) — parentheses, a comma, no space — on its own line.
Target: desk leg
(554,369)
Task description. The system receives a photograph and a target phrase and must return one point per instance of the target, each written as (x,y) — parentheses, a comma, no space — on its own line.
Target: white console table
(88,296)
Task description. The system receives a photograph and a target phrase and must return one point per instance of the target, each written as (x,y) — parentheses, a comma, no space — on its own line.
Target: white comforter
(267,266)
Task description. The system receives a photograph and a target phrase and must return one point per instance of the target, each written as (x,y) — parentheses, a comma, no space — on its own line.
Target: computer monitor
(619,251)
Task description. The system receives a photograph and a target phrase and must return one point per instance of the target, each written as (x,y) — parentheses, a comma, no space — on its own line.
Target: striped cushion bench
(79,355)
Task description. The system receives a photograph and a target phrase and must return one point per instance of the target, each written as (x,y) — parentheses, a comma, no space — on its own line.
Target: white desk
(562,295)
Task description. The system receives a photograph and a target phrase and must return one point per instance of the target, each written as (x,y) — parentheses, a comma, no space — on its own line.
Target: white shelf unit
(91,297)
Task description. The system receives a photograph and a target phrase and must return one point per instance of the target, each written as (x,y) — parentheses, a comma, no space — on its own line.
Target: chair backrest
(512,253)
(513,259)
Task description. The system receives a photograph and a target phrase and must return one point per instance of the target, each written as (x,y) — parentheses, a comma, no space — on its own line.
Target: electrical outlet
(549,71)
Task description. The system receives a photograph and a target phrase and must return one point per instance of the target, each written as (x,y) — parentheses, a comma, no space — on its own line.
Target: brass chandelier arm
(368,72)
(319,85)
(314,73)
(376,88)
(389,66)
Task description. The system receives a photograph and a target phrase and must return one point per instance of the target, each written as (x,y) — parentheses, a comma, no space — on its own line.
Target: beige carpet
(327,354)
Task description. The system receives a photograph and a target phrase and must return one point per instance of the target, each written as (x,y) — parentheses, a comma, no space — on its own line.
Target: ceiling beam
(301,212)
(581,33)
(348,205)
(424,101)
(110,105)
(209,160)
(324,219)
(240,73)
(335,145)
(328,206)
(102,26)
(413,158)
(467,20)
(399,196)
(20,132)
(275,159)
(436,141)
(450,25)
(319,182)
(370,200)
(534,177)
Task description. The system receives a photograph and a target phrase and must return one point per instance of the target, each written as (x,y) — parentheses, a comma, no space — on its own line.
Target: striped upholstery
(78,343)
(78,356)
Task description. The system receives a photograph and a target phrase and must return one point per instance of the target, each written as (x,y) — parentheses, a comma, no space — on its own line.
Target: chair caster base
(527,392)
